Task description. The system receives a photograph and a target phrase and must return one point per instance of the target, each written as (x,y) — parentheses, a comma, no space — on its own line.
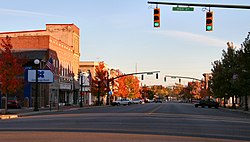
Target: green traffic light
(156,24)
(209,28)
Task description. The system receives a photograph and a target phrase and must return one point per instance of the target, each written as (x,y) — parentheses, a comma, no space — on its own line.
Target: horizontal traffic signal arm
(174,76)
(151,72)
(202,5)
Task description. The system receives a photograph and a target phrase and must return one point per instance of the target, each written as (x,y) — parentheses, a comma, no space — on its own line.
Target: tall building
(59,42)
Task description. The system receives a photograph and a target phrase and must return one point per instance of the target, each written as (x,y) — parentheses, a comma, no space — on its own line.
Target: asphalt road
(147,122)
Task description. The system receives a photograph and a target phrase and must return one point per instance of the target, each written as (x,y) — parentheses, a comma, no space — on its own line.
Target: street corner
(9,116)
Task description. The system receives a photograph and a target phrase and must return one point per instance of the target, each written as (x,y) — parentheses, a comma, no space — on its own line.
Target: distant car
(137,101)
(14,104)
(121,102)
(150,101)
(208,103)
(158,100)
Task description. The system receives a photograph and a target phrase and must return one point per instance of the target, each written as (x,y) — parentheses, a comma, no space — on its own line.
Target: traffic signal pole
(174,76)
(203,5)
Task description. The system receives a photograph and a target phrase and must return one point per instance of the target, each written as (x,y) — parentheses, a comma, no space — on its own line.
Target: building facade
(59,42)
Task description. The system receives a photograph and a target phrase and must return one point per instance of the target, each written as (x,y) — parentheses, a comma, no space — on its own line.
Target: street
(166,121)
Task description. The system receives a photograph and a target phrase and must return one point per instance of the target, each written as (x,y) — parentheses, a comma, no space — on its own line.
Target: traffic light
(142,77)
(209,21)
(165,79)
(157,17)
(156,76)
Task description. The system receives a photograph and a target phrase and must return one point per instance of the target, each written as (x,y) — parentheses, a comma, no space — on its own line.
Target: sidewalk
(240,110)
(14,113)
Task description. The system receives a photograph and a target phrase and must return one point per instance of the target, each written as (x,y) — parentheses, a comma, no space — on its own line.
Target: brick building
(61,42)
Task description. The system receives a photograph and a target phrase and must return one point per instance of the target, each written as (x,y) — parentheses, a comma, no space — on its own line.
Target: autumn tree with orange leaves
(10,69)
(101,75)
(128,87)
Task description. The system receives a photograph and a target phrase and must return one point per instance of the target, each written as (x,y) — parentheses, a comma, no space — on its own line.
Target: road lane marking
(154,110)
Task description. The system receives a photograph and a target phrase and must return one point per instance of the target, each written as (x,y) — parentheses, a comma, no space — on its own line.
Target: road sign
(44,76)
(182,8)
(110,92)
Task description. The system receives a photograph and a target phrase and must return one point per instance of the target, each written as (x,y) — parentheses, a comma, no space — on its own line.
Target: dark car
(158,100)
(208,103)
(13,104)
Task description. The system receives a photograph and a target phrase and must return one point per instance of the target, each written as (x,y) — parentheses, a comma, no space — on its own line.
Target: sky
(121,33)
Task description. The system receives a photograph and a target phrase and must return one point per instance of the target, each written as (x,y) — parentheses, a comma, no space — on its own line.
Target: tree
(177,89)
(229,65)
(244,70)
(11,70)
(128,87)
(219,81)
(99,82)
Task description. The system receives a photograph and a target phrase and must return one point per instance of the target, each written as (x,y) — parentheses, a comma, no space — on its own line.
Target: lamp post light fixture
(36,62)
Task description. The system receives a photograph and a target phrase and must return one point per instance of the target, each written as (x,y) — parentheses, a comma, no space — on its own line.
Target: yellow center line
(154,110)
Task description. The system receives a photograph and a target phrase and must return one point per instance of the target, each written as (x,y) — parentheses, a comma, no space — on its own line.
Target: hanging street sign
(182,8)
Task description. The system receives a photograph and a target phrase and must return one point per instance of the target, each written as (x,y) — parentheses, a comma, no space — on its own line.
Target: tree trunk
(233,103)
(224,104)
(5,110)
(246,102)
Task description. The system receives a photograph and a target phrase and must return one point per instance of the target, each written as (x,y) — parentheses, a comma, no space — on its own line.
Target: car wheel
(118,104)
(195,105)
(202,106)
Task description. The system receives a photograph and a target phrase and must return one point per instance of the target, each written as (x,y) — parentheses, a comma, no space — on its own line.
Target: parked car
(13,104)
(208,103)
(121,102)
(158,100)
(137,101)
(150,100)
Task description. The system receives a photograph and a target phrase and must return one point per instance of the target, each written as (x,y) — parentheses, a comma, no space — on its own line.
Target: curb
(235,110)
(9,116)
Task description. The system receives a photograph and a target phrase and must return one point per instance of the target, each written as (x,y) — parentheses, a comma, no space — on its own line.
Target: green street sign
(182,9)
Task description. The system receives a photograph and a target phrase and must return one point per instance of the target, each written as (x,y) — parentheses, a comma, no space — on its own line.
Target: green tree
(229,64)
(244,70)
(218,87)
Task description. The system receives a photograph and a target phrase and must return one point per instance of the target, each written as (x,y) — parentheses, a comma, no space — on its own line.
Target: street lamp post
(81,85)
(36,62)
(99,86)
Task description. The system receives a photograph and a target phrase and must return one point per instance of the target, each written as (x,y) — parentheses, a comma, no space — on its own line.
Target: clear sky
(121,33)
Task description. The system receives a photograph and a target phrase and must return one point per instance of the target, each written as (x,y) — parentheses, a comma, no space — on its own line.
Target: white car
(121,102)
(137,101)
